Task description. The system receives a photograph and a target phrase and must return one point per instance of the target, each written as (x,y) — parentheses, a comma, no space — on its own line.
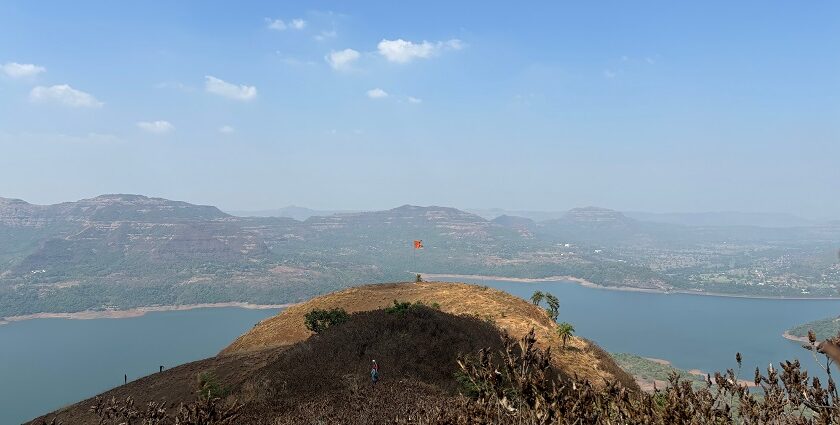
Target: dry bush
(527,391)
(205,411)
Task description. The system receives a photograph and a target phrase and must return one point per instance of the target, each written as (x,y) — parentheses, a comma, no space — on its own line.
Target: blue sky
(647,105)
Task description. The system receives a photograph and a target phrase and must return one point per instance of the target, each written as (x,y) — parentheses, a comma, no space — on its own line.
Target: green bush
(402,307)
(209,386)
(317,320)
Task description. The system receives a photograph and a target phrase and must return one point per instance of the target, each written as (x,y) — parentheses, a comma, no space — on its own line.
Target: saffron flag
(418,244)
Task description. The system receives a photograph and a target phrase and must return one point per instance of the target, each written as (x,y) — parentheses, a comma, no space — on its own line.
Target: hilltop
(280,370)
(512,314)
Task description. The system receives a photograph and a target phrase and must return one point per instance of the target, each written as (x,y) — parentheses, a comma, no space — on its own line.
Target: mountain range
(122,251)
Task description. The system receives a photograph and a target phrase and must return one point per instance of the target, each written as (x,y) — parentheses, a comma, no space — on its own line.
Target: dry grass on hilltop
(510,313)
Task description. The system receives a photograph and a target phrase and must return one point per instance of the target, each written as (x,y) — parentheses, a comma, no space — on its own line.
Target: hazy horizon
(659,107)
(484,211)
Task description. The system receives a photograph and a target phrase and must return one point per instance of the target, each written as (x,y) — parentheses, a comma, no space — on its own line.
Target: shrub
(402,307)
(317,320)
(209,385)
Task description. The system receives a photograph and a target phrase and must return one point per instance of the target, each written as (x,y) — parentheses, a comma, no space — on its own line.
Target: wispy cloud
(174,85)
(65,95)
(412,99)
(21,70)
(226,129)
(377,93)
(280,25)
(403,51)
(231,91)
(609,74)
(342,59)
(156,127)
(324,35)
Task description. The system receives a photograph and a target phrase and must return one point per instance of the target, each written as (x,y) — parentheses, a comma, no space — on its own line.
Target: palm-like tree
(553,306)
(565,331)
(537,297)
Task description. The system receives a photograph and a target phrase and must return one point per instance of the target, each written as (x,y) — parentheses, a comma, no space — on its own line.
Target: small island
(823,329)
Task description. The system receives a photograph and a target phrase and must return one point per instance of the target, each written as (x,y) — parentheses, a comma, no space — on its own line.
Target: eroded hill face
(511,314)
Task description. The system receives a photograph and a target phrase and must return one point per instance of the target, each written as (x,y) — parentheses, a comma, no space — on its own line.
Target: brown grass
(510,313)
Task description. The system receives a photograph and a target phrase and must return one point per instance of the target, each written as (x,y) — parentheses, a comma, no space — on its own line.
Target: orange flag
(418,244)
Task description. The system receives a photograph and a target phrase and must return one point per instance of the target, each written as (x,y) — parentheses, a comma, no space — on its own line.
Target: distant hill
(295,212)
(724,219)
(123,251)
(491,213)
(515,222)
(17,213)
(598,225)
(281,371)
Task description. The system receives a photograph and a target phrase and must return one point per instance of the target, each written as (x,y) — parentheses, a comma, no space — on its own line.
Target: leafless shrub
(518,386)
(205,411)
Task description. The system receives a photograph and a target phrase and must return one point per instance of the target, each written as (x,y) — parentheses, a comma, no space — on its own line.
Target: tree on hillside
(565,331)
(317,320)
(537,297)
(553,306)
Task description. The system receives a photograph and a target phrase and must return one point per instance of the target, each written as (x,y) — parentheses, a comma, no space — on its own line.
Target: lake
(691,331)
(48,363)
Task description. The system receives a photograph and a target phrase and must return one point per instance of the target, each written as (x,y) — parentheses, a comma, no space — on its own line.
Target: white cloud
(276,24)
(324,35)
(21,70)
(156,127)
(231,91)
(65,95)
(175,85)
(377,93)
(279,25)
(412,99)
(609,74)
(402,51)
(342,59)
(226,129)
(298,24)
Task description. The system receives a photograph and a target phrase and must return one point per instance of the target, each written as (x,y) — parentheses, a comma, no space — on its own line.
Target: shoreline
(794,338)
(135,312)
(588,284)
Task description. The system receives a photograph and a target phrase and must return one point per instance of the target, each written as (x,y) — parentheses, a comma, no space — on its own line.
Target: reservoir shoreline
(136,312)
(588,284)
(140,311)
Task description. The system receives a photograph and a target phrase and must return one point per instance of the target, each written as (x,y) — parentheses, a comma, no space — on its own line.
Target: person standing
(374,372)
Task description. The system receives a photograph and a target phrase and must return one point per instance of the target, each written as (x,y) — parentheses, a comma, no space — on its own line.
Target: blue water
(691,331)
(48,363)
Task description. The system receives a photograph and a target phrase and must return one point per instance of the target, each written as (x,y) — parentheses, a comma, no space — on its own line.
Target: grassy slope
(649,372)
(823,328)
(510,313)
